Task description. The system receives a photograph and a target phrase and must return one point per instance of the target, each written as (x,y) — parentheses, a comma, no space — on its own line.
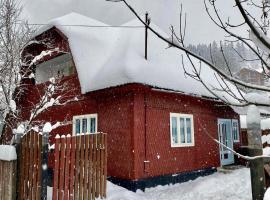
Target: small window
(181,130)
(235,130)
(85,124)
(57,67)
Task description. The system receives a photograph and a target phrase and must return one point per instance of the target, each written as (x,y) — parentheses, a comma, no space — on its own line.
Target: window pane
(84,125)
(57,67)
(235,131)
(93,125)
(174,130)
(78,126)
(188,124)
(182,130)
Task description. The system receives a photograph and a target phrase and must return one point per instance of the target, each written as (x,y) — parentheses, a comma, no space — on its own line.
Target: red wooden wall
(163,159)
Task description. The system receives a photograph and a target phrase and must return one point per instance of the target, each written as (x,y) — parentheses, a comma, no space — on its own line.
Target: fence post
(44,164)
(17,145)
(255,149)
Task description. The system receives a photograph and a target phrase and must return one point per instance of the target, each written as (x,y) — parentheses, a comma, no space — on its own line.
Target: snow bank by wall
(7,153)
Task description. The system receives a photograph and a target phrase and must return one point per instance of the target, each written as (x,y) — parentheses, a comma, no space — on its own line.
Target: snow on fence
(266,138)
(80,170)
(8,165)
(30,167)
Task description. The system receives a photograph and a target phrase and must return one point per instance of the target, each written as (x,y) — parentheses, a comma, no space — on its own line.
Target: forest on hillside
(235,54)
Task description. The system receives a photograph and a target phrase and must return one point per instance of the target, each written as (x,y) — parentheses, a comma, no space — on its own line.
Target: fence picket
(101,165)
(29,171)
(62,167)
(77,171)
(26,167)
(90,177)
(105,165)
(98,166)
(56,169)
(81,167)
(31,152)
(39,169)
(1,179)
(67,167)
(86,166)
(21,172)
(94,166)
(72,168)
(82,160)
(35,153)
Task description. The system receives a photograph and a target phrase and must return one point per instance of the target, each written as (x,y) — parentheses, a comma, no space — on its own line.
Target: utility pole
(147,21)
(254,135)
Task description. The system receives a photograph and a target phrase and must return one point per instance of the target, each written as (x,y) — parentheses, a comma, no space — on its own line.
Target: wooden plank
(31,154)
(26,171)
(90,172)
(86,166)
(98,166)
(94,166)
(35,142)
(102,166)
(72,168)
(82,147)
(3,171)
(21,173)
(5,181)
(14,179)
(67,167)
(77,170)
(105,164)
(62,167)
(11,182)
(1,179)
(56,168)
(39,169)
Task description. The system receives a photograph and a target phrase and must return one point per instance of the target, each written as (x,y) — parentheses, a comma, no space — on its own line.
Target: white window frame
(238,132)
(180,144)
(80,117)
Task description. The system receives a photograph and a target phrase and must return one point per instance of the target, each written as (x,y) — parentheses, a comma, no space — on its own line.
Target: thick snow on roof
(265,122)
(109,56)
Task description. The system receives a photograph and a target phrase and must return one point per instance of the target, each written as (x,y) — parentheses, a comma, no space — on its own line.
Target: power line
(87,26)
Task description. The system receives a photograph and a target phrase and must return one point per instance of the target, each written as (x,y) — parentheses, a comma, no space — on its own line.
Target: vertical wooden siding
(80,167)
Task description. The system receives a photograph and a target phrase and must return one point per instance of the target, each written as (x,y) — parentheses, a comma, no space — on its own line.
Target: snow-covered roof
(265,122)
(110,56)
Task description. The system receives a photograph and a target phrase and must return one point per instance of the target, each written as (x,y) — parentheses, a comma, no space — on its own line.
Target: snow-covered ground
(219,186)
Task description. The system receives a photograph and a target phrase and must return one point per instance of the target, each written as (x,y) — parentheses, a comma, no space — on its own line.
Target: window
(85,124)
(57,67)
(235,130)
(181,130)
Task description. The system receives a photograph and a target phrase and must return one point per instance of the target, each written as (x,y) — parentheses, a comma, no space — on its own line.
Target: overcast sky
(162,12)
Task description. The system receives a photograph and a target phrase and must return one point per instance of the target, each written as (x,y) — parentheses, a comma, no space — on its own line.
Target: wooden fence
(30,167)
(7,180)
(80,170)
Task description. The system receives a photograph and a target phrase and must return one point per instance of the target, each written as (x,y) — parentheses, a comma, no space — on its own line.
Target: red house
(158,120)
